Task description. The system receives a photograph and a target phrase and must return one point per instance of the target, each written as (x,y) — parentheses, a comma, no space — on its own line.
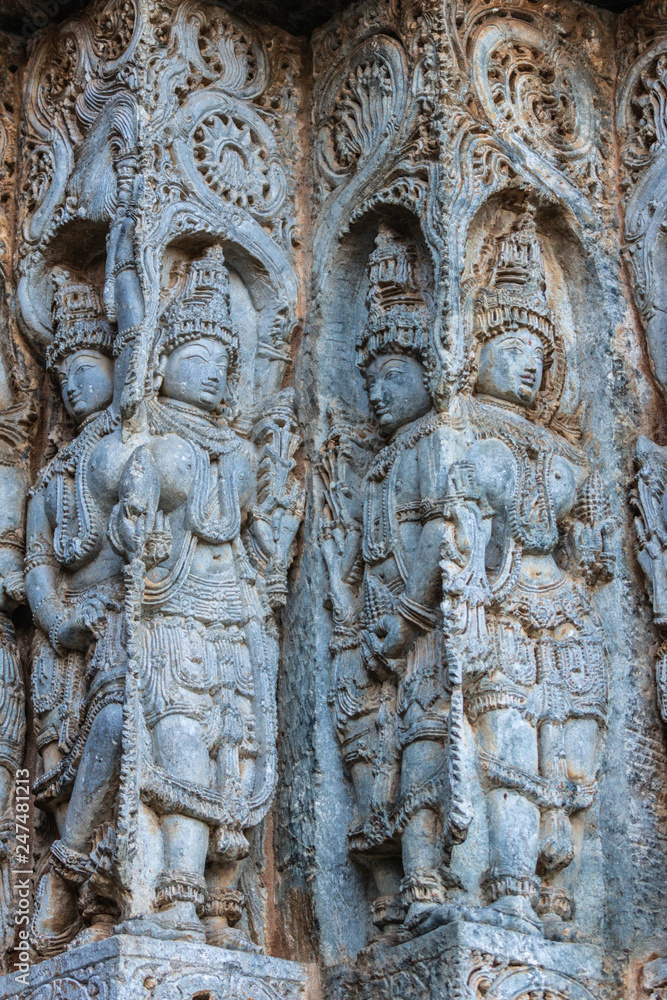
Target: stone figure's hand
(387,644)
(133,520)
(132,528)
(159,541)
(85,623)
(12,591)
(398,636)
(276,521)
(332,539)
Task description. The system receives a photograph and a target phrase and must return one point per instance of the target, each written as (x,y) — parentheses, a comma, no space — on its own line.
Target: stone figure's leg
(423,886)
(513,822)
(387,909)
(182,752)
(236,775)
(224,908)
(55,920)
(51,757)
(577,745)
(96,784)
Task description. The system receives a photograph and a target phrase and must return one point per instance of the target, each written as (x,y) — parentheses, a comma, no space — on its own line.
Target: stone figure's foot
(430,916)
(98,931)
(388,939)
(56,919)
(417,913)
(178,922)
(556,929)
(230,937)
(512,913)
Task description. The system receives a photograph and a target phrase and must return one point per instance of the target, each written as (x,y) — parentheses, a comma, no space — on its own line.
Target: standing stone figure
(392,705)
(535,688)
(208,656)
(74,587)
(14,485)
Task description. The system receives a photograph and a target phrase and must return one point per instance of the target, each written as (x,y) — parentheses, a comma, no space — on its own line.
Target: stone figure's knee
(108,727)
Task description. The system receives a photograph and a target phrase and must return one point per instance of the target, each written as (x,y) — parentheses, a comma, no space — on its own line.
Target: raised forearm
(128,296)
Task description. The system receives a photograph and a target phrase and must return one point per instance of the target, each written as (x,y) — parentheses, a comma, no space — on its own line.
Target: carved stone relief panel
(158,238)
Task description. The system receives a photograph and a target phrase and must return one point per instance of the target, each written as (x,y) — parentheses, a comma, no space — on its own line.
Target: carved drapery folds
(318,385)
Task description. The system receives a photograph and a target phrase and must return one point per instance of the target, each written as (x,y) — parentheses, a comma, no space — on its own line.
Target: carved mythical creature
(528,534)
(392,705)
(73,585)
(206,643)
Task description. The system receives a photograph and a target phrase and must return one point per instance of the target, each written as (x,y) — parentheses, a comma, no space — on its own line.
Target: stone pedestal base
(139,968)
(466,961)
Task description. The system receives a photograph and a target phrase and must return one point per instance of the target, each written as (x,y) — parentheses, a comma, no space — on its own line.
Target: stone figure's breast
(496,471)
(562,486)
(175,462)
(103,469)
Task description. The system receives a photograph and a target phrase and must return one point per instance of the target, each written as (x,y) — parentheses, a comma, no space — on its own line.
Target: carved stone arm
(41,567)
(128,296)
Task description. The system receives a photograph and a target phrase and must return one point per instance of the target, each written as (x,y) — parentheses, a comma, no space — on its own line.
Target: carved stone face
(196,373)
(396,390)
(86,383)
(511,367)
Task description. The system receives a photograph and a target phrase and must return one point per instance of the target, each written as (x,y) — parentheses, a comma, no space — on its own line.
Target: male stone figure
(391,685)
(537,696)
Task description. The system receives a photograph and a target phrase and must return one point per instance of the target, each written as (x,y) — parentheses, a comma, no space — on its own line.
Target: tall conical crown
(515,295)
(203,309)
(78,319)
(398,316)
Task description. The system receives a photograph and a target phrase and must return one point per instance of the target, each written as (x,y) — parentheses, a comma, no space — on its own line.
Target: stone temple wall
(333,500)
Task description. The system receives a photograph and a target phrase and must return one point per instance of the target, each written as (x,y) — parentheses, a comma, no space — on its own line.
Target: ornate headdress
(78,320)
(202,310)
(398,316)
(514,296)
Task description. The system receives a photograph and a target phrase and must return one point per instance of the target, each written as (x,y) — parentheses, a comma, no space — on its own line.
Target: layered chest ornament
(79,527)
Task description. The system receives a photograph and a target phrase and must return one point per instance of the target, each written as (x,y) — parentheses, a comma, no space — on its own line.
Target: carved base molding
(123,967)
(466,961)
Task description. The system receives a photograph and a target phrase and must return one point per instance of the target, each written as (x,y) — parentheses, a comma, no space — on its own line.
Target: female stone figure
(392,705)
(15,423)
(208,654)
(537,695)
(73,586)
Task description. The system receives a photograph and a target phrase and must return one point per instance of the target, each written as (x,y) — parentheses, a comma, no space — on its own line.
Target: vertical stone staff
(465,591)
(125,301)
